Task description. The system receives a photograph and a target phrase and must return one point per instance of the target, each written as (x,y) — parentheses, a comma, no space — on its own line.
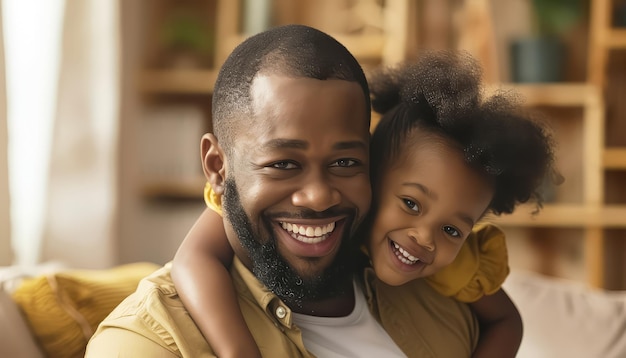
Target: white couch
(561,319)
(567,319)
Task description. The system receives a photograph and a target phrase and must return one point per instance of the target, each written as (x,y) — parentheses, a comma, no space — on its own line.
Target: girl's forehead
(425,143)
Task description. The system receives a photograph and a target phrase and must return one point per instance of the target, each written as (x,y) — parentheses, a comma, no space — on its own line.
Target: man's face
(298,180)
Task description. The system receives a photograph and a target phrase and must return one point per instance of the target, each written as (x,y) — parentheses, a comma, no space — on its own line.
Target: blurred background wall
(133,97)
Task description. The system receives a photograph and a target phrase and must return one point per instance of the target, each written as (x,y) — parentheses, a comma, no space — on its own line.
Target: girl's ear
(213,162)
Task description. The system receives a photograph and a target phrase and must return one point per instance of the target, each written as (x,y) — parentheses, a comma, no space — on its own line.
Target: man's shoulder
(154,293)
(145,304)
(153,317)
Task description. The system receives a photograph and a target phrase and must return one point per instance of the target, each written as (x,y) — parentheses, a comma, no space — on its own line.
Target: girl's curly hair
(441,93)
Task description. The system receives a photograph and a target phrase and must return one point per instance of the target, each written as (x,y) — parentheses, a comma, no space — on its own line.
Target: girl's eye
(450,230)
(345,163)
(283,165)
(411,205)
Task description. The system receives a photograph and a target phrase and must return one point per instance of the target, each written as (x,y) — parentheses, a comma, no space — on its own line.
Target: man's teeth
(404,256)
(309,234)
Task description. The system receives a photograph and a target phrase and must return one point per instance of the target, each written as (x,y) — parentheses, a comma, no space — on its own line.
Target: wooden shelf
(198,81)
(553,94)
(191,188)
(566,215)
(362,47)
(616,39)
(615,158)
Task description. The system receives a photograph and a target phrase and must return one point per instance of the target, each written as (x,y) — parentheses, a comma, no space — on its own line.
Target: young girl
(441,159)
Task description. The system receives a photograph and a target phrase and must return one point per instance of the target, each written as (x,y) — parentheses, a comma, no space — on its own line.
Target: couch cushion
(567,319)
(64,309)
(15,337)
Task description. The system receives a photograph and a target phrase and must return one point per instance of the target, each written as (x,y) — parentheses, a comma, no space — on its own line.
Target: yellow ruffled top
(479,269)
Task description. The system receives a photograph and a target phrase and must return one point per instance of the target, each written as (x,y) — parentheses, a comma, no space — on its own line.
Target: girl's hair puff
(442,94)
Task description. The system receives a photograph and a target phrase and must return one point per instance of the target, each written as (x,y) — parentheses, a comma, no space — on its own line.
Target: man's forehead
(266,85)
(299,110)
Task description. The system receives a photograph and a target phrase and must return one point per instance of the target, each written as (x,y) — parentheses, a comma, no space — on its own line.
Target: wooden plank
(228,24)
(565,215)
(476,35)
(614,158)
(594,257)
(593,144)
(184,188)
(368,47)
(178,81)
(363,46)
(396,18)
(557,94)
(598,29)
(616,39)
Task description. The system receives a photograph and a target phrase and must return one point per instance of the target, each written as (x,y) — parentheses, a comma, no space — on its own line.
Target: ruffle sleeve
(479,269)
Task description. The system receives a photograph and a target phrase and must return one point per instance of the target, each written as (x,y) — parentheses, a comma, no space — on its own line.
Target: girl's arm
(500,326)
(200,274)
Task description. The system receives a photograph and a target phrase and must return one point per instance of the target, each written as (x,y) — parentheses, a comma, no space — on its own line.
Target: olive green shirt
(152,322)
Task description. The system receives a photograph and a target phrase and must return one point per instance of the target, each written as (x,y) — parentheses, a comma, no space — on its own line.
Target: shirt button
(281,312)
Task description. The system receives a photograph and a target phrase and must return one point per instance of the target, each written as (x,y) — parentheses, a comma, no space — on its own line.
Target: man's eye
(283,165)
(345,163)
(411,205)
(450,230)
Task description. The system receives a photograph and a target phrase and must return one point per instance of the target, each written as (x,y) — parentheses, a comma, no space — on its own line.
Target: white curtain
(31,41)
(71,218)
(6,252)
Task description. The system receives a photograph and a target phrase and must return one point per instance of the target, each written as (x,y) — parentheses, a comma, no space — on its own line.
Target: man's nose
(317,194)
(423,237)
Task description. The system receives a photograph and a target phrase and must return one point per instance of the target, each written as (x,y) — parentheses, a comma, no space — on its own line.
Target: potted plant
(187,40)
(539,57)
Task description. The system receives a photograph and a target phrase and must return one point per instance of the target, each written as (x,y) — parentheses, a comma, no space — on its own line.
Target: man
(291,119)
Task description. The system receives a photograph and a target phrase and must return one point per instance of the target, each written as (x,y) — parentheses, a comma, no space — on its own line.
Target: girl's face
(428,202)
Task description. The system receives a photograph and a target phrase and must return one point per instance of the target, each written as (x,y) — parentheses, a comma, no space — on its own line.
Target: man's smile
(309,234)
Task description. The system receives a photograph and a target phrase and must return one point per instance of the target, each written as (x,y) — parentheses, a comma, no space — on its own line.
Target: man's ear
(213,162)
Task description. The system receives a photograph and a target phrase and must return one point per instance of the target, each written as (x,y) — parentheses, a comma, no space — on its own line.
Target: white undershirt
(356,335)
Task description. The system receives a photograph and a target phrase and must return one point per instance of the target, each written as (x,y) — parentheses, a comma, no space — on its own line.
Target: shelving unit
(614,158)
(599,219)
(385,47)
(567,216)
(184,188)
(152,205)
(605,42)
(588,213)
(197,81)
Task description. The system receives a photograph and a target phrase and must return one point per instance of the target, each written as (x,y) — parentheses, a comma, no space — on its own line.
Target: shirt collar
(247,284)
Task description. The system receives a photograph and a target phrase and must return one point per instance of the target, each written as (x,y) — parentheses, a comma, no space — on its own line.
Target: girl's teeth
(404,256)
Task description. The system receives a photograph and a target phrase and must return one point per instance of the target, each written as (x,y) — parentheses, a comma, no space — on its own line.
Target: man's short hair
(291,50)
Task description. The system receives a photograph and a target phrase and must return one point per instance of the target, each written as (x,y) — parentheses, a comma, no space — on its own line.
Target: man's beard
(275,273)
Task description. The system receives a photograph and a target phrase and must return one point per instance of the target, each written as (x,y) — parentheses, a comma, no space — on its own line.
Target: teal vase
(537,60)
